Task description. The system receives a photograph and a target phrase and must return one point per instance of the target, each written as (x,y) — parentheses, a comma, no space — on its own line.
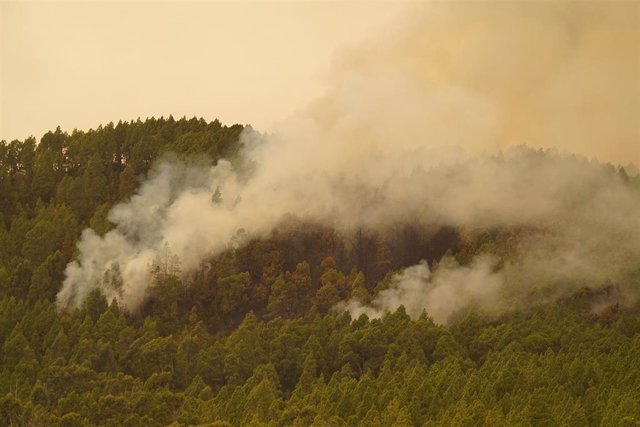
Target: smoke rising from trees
(425,123)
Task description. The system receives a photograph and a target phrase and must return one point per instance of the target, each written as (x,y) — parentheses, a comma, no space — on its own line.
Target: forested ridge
(252,337)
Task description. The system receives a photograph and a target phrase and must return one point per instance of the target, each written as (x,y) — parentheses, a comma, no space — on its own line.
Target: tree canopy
(252,337)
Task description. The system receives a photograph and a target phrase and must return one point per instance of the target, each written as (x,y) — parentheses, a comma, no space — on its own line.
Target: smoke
(546,74)
(425,122)
(440,294)
(577,227)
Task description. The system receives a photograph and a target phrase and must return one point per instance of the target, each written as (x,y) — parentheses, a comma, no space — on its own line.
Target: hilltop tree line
(51,191)
(250,338)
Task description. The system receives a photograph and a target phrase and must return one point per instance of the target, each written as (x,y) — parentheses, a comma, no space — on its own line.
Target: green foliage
(326,370)
(251,338)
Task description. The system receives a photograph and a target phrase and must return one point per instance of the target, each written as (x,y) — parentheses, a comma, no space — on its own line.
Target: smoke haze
(426,122)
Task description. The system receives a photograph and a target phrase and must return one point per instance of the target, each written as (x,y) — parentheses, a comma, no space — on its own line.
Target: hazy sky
(79,65)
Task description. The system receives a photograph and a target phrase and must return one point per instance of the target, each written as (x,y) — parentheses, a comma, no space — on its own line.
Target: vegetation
(250,338)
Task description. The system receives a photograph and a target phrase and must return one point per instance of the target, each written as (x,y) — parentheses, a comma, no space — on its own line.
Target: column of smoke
(426,122)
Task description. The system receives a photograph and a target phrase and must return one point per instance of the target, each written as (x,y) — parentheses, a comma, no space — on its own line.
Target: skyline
(246,62)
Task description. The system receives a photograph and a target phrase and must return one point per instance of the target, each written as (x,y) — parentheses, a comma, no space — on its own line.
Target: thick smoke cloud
(426,123)
(579,225)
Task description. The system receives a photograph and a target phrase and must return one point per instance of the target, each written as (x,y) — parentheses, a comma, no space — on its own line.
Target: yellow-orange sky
(81,64)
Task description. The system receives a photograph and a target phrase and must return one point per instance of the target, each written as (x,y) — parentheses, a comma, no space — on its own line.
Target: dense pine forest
(253,336)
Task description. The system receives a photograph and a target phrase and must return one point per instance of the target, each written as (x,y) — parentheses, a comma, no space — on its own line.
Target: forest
(253,337)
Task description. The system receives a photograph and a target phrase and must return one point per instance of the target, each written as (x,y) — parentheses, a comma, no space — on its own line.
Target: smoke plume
(429,121)
(440,294)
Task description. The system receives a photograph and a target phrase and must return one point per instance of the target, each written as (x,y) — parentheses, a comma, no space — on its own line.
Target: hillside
(265,329)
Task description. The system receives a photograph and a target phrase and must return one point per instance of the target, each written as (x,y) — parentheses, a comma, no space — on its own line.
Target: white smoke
(440,294)
(418,125)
